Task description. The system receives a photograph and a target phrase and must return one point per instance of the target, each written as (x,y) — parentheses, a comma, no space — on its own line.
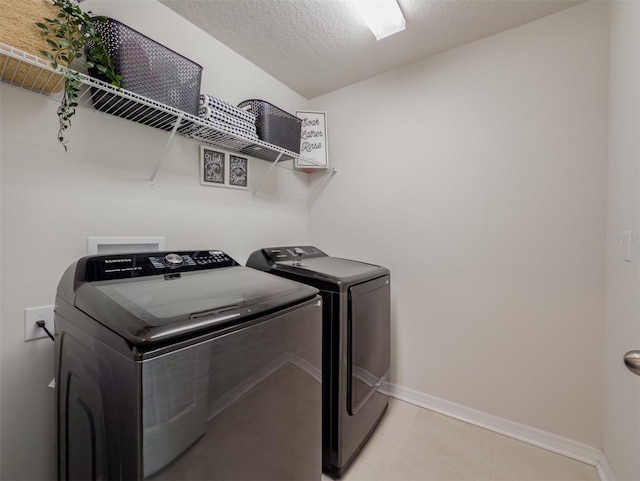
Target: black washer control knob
(173,260)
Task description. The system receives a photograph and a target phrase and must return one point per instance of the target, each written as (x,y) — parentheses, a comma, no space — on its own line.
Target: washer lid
(157,308)
(334,269)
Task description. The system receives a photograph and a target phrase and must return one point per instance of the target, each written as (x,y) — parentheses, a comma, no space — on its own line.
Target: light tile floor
(415,444)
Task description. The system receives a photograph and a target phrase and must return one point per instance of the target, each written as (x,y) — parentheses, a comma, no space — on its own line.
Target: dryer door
(368,340)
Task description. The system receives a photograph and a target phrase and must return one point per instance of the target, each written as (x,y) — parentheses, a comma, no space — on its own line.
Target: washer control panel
(292,253)
(123,266)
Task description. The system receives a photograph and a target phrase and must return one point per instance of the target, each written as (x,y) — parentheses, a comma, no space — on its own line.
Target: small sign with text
(313,140)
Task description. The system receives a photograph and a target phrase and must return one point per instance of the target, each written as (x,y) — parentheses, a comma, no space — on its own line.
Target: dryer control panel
(125,266)
(292,253)
(266,259)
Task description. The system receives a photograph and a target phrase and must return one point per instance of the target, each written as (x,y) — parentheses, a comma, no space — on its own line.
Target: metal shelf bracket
(167,145)
(264,179)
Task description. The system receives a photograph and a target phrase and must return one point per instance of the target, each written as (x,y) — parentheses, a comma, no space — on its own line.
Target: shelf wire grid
(30,72)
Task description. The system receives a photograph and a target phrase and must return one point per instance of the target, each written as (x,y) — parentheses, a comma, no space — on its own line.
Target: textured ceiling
(317,46)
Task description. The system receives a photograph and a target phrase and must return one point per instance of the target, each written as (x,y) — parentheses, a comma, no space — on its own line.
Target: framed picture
(212,167)
(221,169)
(238,172)
(314,153)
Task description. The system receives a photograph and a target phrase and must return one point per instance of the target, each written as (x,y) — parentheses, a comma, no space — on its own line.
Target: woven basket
(274,125)
(18,29)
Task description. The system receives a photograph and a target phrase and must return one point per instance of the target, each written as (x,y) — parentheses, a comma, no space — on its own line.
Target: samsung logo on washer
(111,261)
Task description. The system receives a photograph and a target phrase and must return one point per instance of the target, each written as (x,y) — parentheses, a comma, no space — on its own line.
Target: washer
(186,365)
(355,339)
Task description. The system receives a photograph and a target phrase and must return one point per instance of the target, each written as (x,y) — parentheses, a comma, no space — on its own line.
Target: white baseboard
(604,470)
(537,437)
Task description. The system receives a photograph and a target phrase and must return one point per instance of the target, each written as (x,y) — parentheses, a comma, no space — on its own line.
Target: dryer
(186,365)
(355,340)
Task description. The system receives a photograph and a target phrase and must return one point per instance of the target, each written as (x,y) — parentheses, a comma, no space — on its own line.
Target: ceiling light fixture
(383,17)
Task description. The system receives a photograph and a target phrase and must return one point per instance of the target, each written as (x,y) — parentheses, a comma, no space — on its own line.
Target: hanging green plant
(67,36)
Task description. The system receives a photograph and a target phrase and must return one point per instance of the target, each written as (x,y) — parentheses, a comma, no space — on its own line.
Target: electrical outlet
(34,314)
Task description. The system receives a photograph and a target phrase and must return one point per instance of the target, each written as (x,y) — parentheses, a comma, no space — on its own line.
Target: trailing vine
(68,35)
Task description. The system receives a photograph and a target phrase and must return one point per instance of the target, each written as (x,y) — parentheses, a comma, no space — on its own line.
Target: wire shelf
(27,71)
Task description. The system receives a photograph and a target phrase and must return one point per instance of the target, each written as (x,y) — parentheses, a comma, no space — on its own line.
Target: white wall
(622,389)
(478,177)
(52,201)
